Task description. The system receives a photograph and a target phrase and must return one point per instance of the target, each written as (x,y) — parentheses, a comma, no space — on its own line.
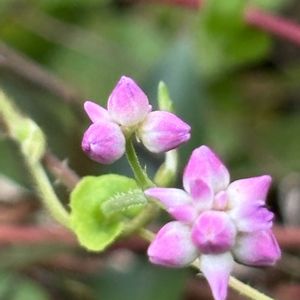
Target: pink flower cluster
(128,112)
(216,221)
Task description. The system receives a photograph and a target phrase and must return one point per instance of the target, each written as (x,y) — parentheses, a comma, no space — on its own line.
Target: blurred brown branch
(61,170)
(11,234)
(17,63)
(288,237)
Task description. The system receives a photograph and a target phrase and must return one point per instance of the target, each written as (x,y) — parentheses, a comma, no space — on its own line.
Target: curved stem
(145,217)
(274,24)
(140,175)
(48,196)
(234,283)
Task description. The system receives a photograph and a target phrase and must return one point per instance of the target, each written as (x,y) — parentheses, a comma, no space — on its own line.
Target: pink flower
(128,108)
(216,220)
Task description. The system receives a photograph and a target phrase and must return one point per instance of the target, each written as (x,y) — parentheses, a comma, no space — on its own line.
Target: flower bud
(104,142)
(162,131)
(128,105)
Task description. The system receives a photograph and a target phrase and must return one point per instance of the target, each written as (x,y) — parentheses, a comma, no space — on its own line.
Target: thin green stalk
(31,141)
(140,175)
(247,290)
(234,283)
(145,217)
(47,194)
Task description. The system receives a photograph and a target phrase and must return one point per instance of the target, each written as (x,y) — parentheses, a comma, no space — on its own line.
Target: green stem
(139,174)
(47,194)
(247,290)
(151,210)
(145,217)
(234,283)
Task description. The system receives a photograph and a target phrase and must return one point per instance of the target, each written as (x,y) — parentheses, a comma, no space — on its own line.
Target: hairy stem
(140,175)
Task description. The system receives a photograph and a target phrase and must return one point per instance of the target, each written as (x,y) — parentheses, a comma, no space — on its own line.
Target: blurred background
(236,84)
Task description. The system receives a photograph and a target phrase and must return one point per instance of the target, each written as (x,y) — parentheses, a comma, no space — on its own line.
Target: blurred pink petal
(172,246)
(177,202)
(162,131)
(257,249)
(206,166)
(216,269)
(213,232)
(104,142)
(128,105)
(96,112)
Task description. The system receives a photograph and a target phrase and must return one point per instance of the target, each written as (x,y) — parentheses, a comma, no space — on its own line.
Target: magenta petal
(162,131)
(128,105)
(247,203)
(206,166)
(104,142)
(177,202)
(95,112)
(202,195)
(248,190)
(252,217)
(257,249)
(216,269)
(213,232)
(172,246)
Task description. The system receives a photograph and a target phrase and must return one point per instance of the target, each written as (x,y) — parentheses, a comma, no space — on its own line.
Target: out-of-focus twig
(288,237)
(263,20)
(61,170)
(10,234)
(276,25)
(24,67)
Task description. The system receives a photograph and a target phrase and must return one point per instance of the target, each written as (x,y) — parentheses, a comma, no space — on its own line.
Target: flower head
(129,112)
(216,220)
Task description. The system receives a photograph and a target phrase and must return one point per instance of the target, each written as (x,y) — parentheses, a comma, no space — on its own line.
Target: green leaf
(94,230)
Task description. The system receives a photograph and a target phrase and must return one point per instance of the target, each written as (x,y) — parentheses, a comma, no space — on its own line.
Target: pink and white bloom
(129,109)
(216,221)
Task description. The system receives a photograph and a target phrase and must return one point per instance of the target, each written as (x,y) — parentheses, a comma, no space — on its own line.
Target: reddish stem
(274,24)
(288,237)
(11,234)
(263,20)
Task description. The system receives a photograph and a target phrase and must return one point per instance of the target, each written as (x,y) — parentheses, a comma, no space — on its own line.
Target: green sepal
(94,230)
(164,99)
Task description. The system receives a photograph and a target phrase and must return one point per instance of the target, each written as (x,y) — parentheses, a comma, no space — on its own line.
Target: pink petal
(247,203)
(202,195)
(206,166)
(216,269)
(104,142)
(213,232)
(257,249)
(172,246)
(95,111)
(248,190)
(177,202)
(162,131)
(252,217)
(128,105)
(221,201)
